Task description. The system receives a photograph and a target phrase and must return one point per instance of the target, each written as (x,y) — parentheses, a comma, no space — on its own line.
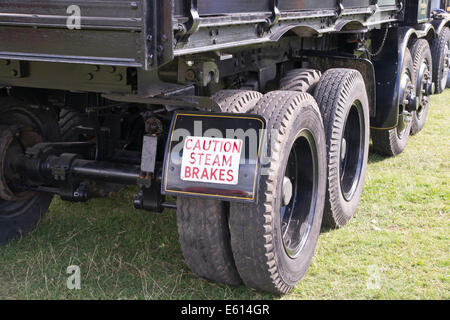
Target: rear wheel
(440,49)
(21,127)
(203,224)
(273,240)
(423,67)
(342,98)
(392,142)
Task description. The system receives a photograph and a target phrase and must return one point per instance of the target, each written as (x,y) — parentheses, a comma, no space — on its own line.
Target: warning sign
(212,160)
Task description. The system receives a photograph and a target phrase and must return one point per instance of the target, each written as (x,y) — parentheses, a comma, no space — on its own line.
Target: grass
(396,247)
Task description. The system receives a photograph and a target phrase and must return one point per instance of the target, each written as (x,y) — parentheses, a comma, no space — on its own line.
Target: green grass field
(396,247)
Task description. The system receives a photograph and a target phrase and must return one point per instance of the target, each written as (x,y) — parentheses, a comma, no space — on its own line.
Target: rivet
(190,75)
(112,69)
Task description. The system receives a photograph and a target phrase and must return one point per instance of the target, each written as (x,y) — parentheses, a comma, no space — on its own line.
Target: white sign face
(212,160)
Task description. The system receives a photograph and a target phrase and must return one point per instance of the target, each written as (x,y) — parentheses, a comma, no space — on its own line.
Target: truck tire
(423,66)
(68,122)
(203,224)
(392,142)
(342,99)
(237,101)
(301,80)
(440,49)
(273,240)
(21,127)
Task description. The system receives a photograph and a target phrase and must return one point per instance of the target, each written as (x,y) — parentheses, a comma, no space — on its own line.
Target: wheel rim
(352,151)
(298,209)
(445,65)
(406,93)
(423,83)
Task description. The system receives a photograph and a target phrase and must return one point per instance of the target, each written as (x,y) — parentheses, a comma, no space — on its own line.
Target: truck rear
(251,119)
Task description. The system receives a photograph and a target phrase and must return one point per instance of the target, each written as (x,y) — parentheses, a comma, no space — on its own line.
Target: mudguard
(388,68)
(213,155)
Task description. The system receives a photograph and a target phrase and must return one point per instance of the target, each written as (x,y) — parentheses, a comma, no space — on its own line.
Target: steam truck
(250,118)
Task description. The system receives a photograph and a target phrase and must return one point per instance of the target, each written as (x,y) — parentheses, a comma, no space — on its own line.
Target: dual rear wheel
(268,245)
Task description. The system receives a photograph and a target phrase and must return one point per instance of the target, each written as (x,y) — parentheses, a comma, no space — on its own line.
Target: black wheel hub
(14,140)
(299,194)
(424,87)
(352,151)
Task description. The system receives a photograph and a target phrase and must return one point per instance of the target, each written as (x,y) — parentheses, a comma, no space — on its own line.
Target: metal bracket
(400,9)
(270,21)
(374,6)
(70,188)
(191,102)
(276,14)
(209,73)
(184,31)
(12,69)
(150,198)
(149,149)
(340,9)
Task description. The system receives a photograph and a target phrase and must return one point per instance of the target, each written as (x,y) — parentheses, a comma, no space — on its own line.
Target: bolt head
(111,69)
(287,191)
(190,75)
(413,104)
